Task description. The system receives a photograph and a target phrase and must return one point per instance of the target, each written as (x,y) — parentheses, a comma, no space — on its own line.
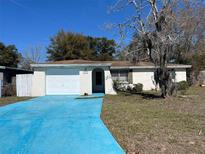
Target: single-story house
(8,77)
(82,76)
(8,74)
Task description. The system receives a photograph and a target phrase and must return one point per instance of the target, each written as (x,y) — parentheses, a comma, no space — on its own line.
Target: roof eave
(14,68)
(180,66)
(68,65)
(148,67)
(106,64)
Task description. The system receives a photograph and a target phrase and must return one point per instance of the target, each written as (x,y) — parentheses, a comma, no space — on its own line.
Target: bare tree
(159,35)
(32,55)
(136,50)
(191,20)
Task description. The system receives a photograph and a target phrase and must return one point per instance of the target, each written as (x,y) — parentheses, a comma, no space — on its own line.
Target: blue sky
(28,23)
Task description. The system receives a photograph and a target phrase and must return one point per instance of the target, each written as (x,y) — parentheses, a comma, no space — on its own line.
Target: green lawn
(9,100)
(148,124)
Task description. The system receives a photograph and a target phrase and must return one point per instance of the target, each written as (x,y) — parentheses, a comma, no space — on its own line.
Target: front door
(98,80)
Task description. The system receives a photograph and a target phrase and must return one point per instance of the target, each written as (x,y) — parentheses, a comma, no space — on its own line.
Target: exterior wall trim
(148,67)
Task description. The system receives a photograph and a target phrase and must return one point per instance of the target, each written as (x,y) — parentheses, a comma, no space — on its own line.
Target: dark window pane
(115,73)
(121,75)
(98,78)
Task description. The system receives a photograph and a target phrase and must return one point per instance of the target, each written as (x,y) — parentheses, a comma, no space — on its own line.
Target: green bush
(138,88)
(182,85)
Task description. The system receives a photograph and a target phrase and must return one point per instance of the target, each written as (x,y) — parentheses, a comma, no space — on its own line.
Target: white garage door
(62,81)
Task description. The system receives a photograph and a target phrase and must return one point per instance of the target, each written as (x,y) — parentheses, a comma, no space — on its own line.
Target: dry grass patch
(9,100)
(148,124)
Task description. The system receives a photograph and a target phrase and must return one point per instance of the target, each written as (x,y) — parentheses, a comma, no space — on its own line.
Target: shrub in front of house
(182,85)
(129,88)
(9,90)
(125,86)
(119,85)
(115,85)
(137,88)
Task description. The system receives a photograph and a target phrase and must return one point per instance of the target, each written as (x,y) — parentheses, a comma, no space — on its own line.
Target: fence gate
(24,85)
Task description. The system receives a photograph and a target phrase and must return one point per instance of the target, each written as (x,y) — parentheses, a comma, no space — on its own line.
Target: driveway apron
(55,124)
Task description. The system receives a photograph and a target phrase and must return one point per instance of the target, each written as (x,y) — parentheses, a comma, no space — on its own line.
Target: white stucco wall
(109,82)
(85,80)
(38,83)
(1,76)
(145,77)
(142,75)
(180,75)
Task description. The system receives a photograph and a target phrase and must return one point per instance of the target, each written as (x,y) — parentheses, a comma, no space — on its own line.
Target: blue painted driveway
(55,125)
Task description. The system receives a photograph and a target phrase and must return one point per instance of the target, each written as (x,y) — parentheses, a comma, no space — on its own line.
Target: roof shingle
(114,63)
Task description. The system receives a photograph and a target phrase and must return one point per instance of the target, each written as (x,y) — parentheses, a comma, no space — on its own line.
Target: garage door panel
(62,82)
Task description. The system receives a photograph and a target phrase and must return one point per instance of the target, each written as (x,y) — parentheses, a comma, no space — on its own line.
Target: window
(98,78)
(121,75)
(114,75)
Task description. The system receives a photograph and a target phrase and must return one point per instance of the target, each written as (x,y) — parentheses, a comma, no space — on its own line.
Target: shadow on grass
(150,96)
(145,95)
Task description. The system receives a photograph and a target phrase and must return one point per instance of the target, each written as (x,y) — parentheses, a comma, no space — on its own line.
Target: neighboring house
(8,74)
(8,79)
(87,77)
